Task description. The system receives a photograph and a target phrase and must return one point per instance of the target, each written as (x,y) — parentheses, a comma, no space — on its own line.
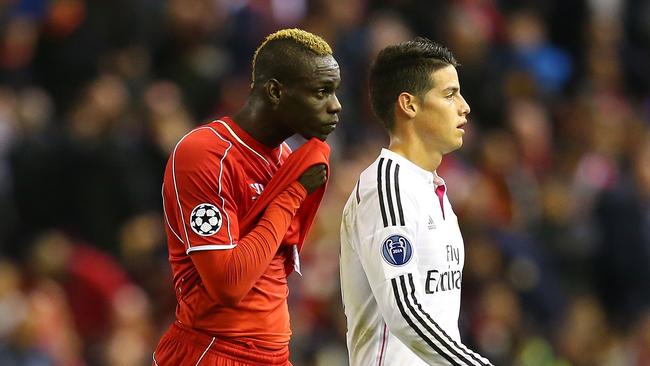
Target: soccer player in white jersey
(402,251)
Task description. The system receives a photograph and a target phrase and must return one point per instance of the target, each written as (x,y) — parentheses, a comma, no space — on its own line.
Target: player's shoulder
(386,176)
(204,141)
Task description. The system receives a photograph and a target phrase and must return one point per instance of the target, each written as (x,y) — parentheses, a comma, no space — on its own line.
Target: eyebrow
(333,83)
(452,89)
(328,83)
(317,82)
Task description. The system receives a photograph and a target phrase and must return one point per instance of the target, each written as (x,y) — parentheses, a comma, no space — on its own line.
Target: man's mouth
(331,125)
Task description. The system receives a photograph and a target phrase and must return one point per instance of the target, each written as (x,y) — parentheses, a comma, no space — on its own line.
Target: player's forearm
(413,323)
(433,350)
(255,251)
(232,273)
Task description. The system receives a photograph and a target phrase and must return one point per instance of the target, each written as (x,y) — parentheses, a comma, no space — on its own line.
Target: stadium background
(552,185)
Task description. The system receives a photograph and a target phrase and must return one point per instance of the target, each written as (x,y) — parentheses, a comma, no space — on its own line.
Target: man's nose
(464,108)
(334,105)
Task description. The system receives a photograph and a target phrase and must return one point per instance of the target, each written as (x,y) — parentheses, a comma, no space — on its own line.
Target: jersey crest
(397,250)
(206,219)
(258,188)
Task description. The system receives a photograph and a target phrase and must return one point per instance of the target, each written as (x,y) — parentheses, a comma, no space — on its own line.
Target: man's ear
(273,90)
(407,104)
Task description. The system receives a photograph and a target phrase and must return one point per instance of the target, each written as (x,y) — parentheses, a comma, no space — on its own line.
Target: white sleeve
(389,257)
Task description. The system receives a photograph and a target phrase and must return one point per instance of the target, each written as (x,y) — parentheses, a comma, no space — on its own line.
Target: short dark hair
(404,67)
(278,54)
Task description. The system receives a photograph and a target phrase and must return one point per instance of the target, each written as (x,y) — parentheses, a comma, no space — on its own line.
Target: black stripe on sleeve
(357,190)
(400,305)
(389,196)
(399,198)
(449,350)
(381,195)
(446,336)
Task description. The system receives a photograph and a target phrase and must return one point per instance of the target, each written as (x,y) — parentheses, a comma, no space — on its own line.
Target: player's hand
(313,177)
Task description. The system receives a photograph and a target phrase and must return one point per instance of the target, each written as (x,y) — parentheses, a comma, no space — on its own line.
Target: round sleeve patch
(397,250)
(205,219)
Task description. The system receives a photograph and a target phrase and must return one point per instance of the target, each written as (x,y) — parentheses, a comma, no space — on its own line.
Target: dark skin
(275,110)
(306,105)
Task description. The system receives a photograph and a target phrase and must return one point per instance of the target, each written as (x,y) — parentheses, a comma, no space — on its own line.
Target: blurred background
(552,185)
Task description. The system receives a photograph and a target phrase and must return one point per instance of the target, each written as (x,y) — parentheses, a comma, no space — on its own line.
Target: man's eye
(322,93)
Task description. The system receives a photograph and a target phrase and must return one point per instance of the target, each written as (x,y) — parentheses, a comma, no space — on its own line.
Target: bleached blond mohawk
(299,37)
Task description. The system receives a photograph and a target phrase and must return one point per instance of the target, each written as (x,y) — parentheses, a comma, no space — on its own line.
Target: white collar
(429,177)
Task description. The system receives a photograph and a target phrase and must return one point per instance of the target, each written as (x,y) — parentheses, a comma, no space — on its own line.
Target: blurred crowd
(552,185)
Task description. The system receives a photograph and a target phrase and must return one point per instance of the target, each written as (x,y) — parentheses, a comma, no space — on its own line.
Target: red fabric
(221,165)
(239,268)
(181,346)
(309,154)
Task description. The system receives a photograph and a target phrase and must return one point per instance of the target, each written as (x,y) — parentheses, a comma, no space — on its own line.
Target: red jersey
(212,179)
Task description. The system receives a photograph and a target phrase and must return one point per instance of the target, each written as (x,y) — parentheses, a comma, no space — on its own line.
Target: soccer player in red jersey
(231,285)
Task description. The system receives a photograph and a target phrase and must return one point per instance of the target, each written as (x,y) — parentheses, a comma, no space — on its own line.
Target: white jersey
(402,259)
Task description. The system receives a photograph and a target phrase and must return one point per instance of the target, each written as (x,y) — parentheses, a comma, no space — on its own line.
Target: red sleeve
(228,275)
(198,194)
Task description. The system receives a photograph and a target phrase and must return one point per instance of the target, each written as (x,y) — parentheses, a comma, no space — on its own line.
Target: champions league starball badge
(397,250)
(205,219)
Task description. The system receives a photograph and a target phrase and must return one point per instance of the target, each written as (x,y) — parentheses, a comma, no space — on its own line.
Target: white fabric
(418,300)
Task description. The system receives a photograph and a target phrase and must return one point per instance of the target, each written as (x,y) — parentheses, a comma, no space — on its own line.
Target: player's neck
(415,150)
(256,122)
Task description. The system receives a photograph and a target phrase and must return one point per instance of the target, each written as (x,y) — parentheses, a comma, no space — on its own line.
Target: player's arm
(390,259)
(203,185)
(228,275)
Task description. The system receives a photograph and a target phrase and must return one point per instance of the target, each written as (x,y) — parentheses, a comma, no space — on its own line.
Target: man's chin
(455,147)
(322,136)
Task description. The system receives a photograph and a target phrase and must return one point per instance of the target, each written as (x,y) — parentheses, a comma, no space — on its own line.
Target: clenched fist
(313,177)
